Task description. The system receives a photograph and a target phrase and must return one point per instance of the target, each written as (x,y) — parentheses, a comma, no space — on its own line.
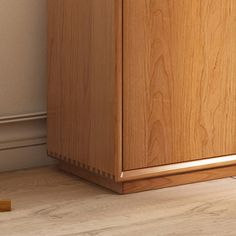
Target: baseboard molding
(22,130)
(23,117)
(26,157)
(23,141)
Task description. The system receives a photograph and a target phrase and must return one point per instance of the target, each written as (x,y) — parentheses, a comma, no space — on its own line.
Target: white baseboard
(23,142)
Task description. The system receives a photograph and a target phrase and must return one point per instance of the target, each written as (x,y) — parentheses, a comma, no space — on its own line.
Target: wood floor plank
(47,201)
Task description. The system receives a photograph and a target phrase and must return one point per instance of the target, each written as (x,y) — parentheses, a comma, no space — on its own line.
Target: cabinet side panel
(179,81)
(82,83)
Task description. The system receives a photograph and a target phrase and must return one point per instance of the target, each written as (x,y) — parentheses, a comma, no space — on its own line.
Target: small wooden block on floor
(5,205)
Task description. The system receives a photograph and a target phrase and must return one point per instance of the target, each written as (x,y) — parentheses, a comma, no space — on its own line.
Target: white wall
(23,73)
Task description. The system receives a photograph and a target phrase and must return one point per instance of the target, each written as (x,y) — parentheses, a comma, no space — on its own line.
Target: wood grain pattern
(179,168)
(5,205)
(141,180)
(139,185)
(119,89)
(141,89)
(92,177)
(179,81)
(83,112)
(49,202)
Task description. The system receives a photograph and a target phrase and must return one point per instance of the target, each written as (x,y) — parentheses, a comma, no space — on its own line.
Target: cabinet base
(91,177)
(150,183)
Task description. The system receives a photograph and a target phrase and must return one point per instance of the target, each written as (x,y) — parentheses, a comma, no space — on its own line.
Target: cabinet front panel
(179,81)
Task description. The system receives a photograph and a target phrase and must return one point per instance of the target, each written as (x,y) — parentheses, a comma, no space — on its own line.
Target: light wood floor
(48,202)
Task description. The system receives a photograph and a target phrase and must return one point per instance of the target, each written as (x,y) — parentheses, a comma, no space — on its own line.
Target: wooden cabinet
(142,93)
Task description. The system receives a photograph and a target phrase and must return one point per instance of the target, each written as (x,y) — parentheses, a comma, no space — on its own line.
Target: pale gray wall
(23,71)
(22,56)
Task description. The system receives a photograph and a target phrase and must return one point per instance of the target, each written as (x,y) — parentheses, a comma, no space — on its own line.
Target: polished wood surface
(92,177)
(5,205)
(143,181)
(179,82)
(84,83)
(48,202)
(119,89)
(179,168)
(178,179)
(142,89)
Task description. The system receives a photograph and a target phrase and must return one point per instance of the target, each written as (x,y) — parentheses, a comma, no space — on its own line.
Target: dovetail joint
(80,165)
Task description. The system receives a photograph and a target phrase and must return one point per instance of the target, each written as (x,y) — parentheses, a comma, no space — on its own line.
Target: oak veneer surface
(47,202)
(140,183)
(82,83)
(141,83)
(179,86)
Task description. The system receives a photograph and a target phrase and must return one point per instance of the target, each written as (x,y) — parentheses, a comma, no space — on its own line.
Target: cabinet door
(179,83)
